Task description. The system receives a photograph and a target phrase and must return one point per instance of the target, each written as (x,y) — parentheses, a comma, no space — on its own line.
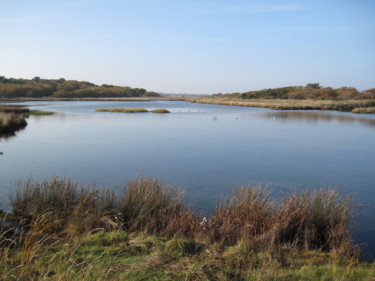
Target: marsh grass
(364,110)
(246,214)
(18,109)
(288,104)
(40,113)
(148,233)
(151,206)
(11,122)
(160,111)
(122,110)
(78,208)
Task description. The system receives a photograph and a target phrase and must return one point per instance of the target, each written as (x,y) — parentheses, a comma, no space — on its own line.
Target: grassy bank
(132,110)
(290,104)
(147,232)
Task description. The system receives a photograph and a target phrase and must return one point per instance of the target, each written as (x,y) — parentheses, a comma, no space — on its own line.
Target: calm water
(204,149)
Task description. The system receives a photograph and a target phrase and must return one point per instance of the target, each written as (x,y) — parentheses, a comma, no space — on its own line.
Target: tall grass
(10,122)
(246,214)
(77,208)
(308,220)
(151,206)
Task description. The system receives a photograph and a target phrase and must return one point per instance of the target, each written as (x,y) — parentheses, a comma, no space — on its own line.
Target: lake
(206,150)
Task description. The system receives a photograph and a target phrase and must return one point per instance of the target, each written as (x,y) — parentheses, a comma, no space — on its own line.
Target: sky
(191,46)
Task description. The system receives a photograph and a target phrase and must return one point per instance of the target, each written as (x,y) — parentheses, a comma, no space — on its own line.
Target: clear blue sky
(191,46)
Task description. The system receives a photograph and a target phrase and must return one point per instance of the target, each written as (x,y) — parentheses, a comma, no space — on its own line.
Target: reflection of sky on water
(204,149)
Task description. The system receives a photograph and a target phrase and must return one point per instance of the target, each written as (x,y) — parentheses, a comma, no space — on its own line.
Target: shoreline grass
(11,122)
(147,232)
(288,104)
(365,110)
(40,113)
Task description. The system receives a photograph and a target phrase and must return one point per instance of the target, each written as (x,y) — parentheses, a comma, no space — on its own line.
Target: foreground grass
(131,110)
(118,255)
(354,106)
(59,230)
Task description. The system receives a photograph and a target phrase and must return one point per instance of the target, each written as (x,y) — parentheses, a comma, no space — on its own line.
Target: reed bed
(11,122)
(160,111)
(308,220)
(289,104)
(59,230)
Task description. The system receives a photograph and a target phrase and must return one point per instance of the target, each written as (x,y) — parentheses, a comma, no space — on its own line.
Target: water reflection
(314,117)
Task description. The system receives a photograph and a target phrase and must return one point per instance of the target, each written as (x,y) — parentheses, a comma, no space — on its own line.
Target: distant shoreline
(166,98)
(354,106)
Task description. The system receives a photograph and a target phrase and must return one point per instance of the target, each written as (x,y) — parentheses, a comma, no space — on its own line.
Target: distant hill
(61,88)
(311,91)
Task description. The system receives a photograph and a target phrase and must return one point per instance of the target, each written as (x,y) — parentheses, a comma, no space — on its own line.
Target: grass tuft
(160,110)
(122,110)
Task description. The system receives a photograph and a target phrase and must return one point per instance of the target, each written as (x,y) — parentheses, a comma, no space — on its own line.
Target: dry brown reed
(151,206)
(307,220)
(246,214)
(77,207)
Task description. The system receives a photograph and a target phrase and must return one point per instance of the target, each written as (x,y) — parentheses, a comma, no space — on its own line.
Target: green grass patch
(40,112)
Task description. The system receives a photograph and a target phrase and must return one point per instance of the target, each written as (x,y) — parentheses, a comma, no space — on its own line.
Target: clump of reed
(11,122)
(246,214)
(307,220)
(122,110)
(160,111)
(149,205)
(315,220)
(40,113)
(77,208)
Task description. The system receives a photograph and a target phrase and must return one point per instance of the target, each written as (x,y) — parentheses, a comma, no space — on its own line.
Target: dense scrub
(61,88)
(311,91)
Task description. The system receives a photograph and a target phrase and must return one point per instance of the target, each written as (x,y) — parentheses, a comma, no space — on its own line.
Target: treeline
(313,91)
(61,88)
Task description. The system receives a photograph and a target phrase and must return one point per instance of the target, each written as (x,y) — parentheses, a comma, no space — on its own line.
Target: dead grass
(308,220)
